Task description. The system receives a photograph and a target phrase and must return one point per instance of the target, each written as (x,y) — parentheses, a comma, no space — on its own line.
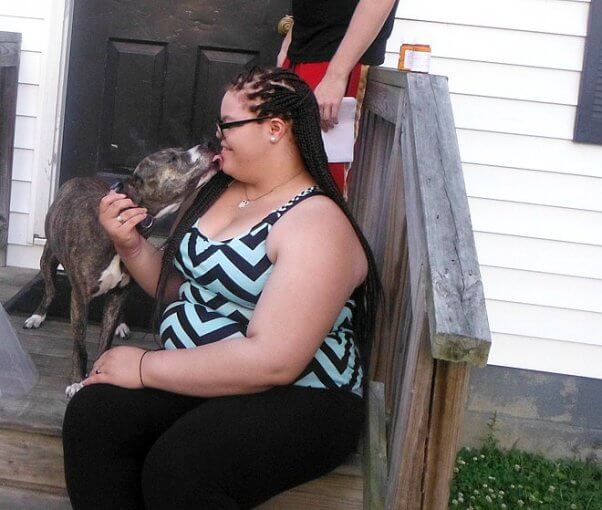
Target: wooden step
(14,498)
(333,491)
(31,457)
(31,453)
(50,347)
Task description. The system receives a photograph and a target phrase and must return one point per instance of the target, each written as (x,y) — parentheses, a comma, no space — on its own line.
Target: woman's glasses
(220,126)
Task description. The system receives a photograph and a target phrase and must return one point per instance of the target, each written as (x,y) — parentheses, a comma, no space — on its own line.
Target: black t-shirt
(320,26)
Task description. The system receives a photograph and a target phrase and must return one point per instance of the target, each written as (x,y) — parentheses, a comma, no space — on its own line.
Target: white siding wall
(37,94)
(535,196)
(514,70)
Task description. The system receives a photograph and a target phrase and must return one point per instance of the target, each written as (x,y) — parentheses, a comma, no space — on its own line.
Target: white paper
(339,140)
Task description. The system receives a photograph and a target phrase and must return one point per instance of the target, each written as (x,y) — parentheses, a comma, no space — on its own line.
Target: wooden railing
(10,44)
(407,192)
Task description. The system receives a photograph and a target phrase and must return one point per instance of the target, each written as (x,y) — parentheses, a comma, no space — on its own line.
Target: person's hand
(329,93)
(119,216)
(119,366)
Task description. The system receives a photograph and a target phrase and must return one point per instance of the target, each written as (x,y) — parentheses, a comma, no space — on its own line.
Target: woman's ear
(277,129)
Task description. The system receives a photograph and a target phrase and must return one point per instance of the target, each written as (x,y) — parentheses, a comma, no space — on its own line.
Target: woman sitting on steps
(271,293)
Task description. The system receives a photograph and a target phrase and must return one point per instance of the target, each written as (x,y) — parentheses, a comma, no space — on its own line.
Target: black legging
(132,449)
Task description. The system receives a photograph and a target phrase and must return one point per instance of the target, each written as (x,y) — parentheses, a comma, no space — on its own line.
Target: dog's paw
(34,322)
(122,331)
(72,389)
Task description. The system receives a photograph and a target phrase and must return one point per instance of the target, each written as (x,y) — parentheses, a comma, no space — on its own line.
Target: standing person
(259,387)
(327,45)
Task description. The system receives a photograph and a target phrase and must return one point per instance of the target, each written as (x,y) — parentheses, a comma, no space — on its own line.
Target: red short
(312,73)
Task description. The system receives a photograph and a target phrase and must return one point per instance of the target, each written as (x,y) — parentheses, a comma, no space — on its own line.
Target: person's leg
(312,73)
(238,451)
(107,432)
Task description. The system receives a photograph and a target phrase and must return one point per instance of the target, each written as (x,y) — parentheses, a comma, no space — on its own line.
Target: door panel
(133,94)
(150,74)
(214,69)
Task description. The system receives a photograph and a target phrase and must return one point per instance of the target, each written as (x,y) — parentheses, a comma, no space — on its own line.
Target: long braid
(207,196)
(282,93)
(276,92)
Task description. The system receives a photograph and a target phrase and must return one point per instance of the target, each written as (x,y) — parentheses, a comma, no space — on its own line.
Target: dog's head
(162,180)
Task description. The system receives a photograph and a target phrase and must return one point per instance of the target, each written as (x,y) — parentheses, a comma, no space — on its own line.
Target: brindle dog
(76,240)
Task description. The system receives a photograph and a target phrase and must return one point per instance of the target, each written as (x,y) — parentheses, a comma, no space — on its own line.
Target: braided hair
(277,92)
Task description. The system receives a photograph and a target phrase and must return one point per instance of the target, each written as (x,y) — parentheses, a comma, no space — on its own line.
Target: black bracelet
(140,366)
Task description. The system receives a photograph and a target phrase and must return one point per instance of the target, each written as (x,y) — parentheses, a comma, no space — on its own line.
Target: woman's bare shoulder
(314,226)
(317,214)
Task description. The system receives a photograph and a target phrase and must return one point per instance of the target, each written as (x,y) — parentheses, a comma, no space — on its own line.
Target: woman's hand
(329,93)
(119,216)
(119,366)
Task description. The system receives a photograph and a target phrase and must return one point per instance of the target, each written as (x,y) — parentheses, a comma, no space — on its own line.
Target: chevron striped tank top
(223,283)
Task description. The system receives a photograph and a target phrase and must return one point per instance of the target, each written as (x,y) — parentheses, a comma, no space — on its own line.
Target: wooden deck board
(31,460)
(50,347)
(14,498)
(327,493)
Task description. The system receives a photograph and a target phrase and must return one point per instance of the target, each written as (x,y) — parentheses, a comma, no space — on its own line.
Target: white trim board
(543,289)
(529,152)
(514,116)
(546,355)
(541,221)
(52,113)
(561,324)
(496,45)
(549,16)
(533,187)
(508,81)
(24,256)
(541,255)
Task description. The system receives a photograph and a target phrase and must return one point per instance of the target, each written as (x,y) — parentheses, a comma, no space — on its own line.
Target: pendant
(243,203)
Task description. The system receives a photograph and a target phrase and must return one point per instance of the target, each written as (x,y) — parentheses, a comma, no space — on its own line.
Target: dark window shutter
(588,124)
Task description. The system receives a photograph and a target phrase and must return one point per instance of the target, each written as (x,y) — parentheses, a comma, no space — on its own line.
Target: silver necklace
(246,201)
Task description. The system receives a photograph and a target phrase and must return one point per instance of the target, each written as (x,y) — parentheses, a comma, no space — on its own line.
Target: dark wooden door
(149,74)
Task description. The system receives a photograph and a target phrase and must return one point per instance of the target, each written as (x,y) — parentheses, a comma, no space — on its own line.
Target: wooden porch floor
(31,463)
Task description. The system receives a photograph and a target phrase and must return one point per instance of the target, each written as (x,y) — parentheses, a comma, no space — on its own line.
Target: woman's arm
(144,265)
(298,306)
(368,18)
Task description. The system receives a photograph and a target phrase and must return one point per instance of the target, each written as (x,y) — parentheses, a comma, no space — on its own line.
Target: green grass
(490,477)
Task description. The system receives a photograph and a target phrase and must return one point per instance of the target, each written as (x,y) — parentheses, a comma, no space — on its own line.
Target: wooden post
(10,45)
(450,387)
(375,449)
(407,193)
